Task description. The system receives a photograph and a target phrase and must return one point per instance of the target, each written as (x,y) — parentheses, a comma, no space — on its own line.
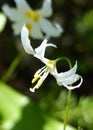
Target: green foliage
(18,112)
(2,21)
(11,105)
(80,113)
(85,23)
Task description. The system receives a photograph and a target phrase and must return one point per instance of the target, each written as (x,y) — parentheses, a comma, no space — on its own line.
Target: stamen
(35,78)
(38,74)
(42,74)
(39,84)
(32,15)
(29,27)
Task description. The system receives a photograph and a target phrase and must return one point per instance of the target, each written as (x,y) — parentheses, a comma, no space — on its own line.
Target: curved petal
(40,51)
(67,78)
(50,29)
(69,73)
(73,87)
(46,10)
(25,41)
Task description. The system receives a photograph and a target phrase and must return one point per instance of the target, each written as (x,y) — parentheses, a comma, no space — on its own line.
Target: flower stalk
(68,100)
(12,67)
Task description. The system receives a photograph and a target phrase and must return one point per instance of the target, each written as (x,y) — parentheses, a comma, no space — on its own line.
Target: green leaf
(11,105)
(2,21)
(18,112)
(53,124)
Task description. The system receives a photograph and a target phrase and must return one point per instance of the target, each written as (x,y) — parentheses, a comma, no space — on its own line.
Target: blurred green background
(45,109)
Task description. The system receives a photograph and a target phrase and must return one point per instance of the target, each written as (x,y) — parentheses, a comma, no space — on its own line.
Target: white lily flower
(64,78)
(35,20)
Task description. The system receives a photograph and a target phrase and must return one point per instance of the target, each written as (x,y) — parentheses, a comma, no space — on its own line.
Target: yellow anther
(37,73)
(39,84)
(29,27)
(35,78)
(32,15)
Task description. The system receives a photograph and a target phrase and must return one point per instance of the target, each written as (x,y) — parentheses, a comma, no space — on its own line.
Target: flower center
(51,64)
(32,15)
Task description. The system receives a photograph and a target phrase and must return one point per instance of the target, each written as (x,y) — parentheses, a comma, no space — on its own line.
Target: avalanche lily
(35,20)
(64,78)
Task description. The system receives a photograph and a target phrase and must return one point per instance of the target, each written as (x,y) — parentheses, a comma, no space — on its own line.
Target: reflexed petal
(40,51)
(68,86)
(67,78)
(22,5)
(49,29)
(25,41)
(46,10)
(68,73)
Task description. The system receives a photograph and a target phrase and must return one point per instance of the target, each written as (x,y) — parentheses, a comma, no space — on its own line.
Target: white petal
(67,78)
(17,28)
(40,51)
(25,41)
(73,87)
(66,74)
(49,29)
(59,27)
(46,10)
(36,32)
(22,5)
(14,14)
(10,12)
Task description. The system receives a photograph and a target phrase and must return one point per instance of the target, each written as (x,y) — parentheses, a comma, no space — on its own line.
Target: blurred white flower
(64,78)
(35,20)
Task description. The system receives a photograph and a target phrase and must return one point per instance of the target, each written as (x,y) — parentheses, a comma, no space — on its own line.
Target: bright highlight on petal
(25,41)
(66,79)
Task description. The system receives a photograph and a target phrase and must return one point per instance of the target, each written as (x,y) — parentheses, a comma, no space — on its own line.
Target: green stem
(12,67)
(68,98)
(67,109)
(79,128)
